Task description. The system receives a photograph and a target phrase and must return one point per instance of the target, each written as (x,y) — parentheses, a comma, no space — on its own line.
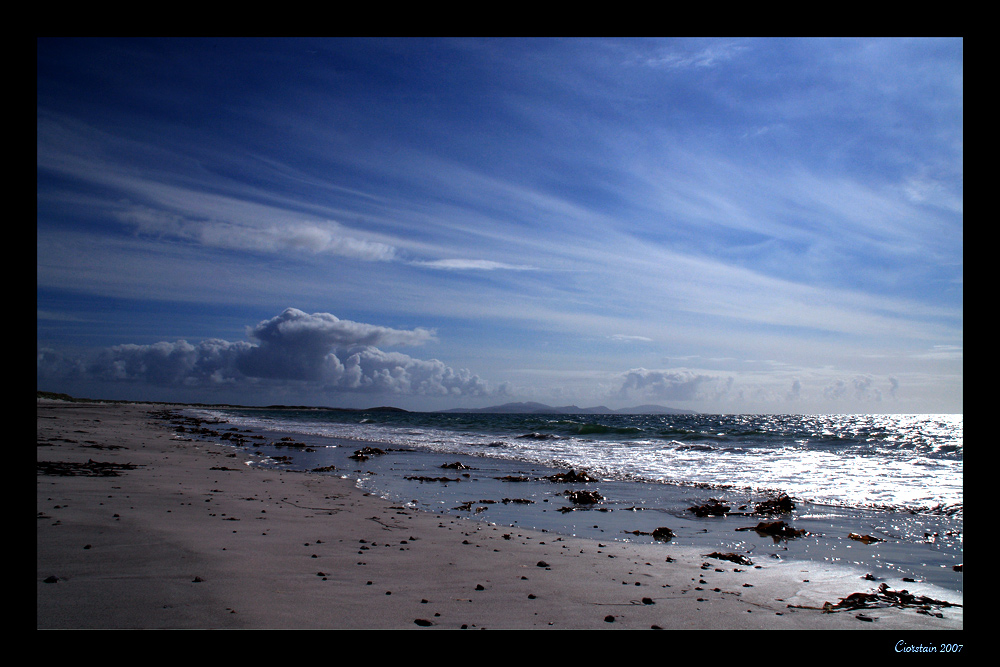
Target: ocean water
(897,478)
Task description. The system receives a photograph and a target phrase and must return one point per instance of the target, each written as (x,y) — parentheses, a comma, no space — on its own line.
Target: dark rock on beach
(780,505)
(775,529)
(733,557)
(457,465)
(661,534)
(584,497)
(571,477)
(365,453)
(712,508)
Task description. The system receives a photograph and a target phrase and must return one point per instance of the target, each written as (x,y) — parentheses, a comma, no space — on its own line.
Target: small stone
(663,534)
(609,619)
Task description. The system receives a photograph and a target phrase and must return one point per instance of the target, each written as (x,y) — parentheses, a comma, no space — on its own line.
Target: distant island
(541,408)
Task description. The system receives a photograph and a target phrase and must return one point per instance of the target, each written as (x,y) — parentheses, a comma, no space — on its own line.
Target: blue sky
(723,225)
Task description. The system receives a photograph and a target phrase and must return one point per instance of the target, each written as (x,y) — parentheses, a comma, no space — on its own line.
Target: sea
(879,493)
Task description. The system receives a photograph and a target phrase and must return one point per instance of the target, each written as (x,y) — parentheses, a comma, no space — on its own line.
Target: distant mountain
(541,408)
(509,408)
(384,408)
(654,410)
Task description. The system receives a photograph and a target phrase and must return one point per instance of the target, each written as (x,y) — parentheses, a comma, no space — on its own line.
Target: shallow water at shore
(912,546)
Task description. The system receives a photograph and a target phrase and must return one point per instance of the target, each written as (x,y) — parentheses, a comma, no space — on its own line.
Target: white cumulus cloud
(318,349)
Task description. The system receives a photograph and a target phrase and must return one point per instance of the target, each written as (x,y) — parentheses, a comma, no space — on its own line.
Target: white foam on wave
(813,475)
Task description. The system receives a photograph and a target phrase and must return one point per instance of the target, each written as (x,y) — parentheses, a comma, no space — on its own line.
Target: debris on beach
(365,453)
(571,477)
(467,505)
(776,529)
(291,442)
(236,438)
(780,505)
(98,446)
(584,497)
(457,465)
(883,596)
(712,508)
(424,478)
(91,468)
(513,478)
(661,534)
(867,539)
(735,558)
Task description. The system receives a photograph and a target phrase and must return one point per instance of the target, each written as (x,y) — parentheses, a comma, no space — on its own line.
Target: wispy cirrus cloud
(625,338)
(683,56)
(216,212)
(472,264)
(582,204)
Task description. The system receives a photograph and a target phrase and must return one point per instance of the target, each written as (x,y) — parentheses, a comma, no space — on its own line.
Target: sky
(722,225)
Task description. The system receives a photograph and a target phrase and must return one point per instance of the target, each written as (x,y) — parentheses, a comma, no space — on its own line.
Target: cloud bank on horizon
(720,225)
(320,353)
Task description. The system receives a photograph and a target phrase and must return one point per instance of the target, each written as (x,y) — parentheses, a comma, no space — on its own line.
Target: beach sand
(188,535)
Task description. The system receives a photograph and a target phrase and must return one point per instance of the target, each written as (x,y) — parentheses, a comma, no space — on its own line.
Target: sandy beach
(140,527)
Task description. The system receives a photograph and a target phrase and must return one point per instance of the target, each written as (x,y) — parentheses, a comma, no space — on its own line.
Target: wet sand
(172,533)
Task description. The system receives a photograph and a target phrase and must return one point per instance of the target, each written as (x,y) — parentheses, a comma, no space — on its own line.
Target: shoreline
(192,537)
(629,510)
